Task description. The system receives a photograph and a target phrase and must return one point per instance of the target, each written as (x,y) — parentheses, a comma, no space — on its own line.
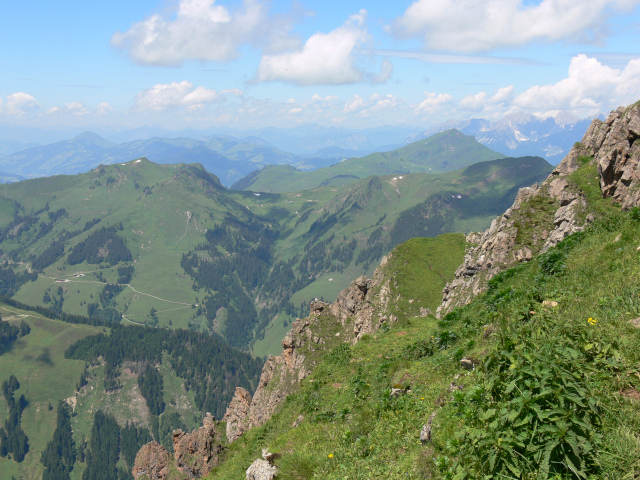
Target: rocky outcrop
(358,310)
(616,143)
(152,460)
(261,470)
(196,453)
(542,216)
(237,414)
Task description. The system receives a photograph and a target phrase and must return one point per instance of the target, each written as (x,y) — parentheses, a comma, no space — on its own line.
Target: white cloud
(202,30)
(375,104)
(354,105)
(589,88)
(104,108)
(19,104)
(482,100)
(77,108)
(432,102)
(325,59)
(164,96)
(473,26)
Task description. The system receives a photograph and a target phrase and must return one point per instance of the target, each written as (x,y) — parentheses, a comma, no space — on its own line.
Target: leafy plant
(535,410)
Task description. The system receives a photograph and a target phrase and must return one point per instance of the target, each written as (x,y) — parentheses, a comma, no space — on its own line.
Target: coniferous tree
(59,455)
(104,448)
(13,440)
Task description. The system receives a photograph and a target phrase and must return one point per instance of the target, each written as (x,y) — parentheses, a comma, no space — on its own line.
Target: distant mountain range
(443,152)
(231,154)
(520,134)
(227,157)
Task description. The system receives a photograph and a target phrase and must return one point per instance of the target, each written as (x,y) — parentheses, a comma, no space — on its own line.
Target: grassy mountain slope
(553,393)
(443,152)
(163,212)
(37,360)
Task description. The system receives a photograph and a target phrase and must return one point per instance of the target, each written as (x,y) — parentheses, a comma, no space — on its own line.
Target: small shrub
(419,349)
(340,355)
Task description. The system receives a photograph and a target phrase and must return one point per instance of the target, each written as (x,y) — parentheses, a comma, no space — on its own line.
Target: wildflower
(592,321)
(331,455)
(421,398)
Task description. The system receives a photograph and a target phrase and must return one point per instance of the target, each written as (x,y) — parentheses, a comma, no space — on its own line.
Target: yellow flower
(592,321)
(331,455)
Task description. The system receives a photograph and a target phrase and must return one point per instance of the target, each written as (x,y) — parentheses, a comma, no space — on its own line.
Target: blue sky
(205,63)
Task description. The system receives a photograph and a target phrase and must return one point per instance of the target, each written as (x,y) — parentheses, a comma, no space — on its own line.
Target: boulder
(261,470)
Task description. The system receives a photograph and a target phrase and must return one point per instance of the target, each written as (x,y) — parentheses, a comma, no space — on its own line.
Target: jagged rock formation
(617,145)
(152,460)
(359,309)
(544,215)
(196,453)
(237,414)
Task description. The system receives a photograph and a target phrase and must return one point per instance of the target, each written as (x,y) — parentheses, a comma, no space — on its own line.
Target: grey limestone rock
(261,470)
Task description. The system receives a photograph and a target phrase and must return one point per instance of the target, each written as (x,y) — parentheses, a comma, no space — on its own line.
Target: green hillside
(443,152)
(159,212)
(45,377)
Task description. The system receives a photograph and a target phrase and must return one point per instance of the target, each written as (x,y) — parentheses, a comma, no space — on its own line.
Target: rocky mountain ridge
(555,209)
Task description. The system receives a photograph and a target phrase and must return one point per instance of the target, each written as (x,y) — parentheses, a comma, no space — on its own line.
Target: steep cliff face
(544,215)
(359,309)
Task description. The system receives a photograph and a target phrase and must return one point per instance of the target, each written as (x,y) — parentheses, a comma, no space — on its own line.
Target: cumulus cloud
(589,87)
(104,108)
(375,104)
(202,30)
(77,109)
(482,100)
(432,102)
(18,104)
(164,96)
(325,58)
(471,26)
